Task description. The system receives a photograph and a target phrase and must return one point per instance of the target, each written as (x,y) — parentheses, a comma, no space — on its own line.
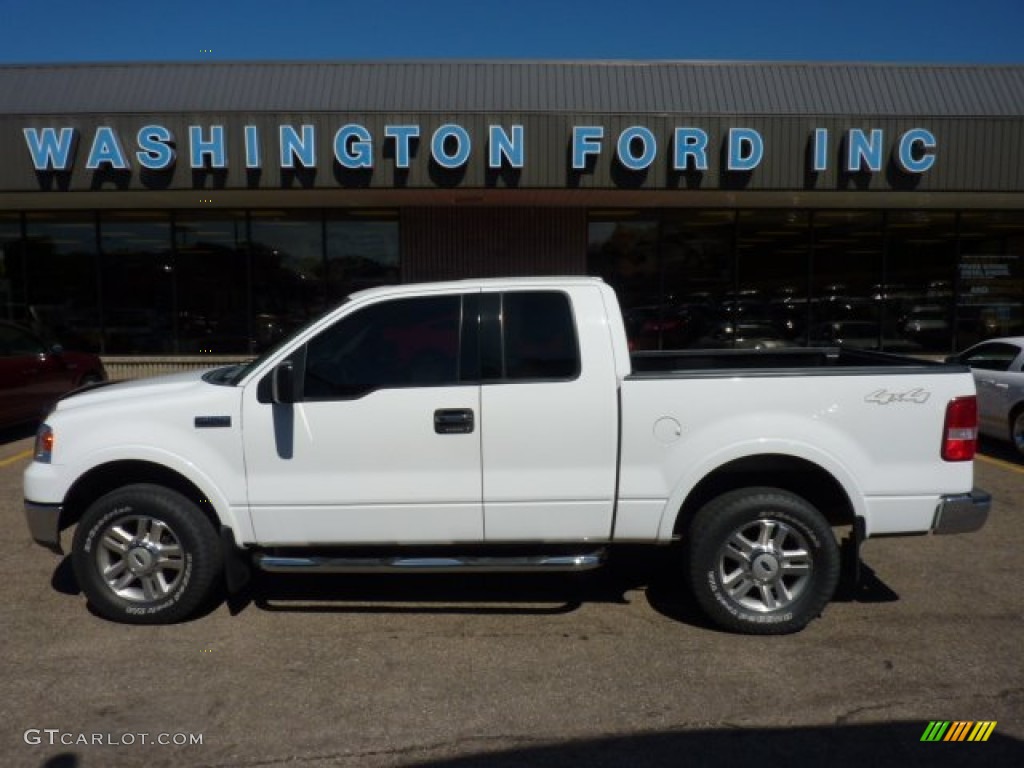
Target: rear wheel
(145,554)
(1017,430)
(762,561)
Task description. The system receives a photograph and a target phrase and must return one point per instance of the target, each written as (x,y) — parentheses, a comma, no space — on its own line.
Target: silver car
(997,368)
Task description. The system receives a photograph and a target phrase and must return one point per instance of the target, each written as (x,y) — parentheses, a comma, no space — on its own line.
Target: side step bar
(530,564)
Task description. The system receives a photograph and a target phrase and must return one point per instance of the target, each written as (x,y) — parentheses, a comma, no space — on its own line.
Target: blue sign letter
(48,152)
(690,142)
(214,148)
(820,149)
(625,148)
(462,146)
(252,147)
(403,136)
(861,149)
(294,147)
(353,146)
(586,140)
(746,149)
(106,149)
(912,160)
(155,154)
(500,145)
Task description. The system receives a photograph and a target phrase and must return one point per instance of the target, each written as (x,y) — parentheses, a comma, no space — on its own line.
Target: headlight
(44,444)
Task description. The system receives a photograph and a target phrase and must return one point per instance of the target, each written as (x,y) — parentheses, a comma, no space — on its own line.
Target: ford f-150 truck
(495,425)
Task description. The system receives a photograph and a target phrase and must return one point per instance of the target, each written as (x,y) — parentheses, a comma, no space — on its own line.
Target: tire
(762,561)
(1017,431)
(145,554)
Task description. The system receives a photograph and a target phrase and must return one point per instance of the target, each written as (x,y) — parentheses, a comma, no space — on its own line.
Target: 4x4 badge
(885,397)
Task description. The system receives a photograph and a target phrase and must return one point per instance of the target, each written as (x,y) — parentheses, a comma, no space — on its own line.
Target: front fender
(55,483)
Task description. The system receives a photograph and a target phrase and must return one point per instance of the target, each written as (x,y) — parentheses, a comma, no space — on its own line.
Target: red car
(33,374)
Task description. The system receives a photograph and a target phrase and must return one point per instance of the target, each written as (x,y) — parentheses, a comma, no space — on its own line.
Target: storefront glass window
(991,276)
(624,253)
(773,259)
(920,271)
(362,252)
(137,283)
(212,283)
(61,287)
(12,268)
(287,251)
(846,278)
(698,278)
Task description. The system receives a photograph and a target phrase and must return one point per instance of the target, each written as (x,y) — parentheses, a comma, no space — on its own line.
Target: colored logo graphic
(958,730)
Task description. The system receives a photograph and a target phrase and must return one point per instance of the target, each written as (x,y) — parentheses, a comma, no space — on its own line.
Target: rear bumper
(44,524)
(962,513)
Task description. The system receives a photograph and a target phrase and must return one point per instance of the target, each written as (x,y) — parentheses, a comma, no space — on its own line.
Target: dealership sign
(451,146)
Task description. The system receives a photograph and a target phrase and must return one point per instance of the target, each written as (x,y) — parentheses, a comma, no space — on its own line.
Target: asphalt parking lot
(615,669)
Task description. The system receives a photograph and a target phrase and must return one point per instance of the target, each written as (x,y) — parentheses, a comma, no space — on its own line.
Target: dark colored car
(34,374)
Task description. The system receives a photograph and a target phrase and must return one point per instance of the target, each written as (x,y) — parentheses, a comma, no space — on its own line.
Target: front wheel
(762,561)
(145,554)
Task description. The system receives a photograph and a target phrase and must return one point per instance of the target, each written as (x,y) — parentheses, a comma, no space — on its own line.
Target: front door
(383,445)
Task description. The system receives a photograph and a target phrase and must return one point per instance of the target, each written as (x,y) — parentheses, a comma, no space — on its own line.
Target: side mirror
(282,388)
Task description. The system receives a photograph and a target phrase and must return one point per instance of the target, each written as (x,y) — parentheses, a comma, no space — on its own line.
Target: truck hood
(155,388)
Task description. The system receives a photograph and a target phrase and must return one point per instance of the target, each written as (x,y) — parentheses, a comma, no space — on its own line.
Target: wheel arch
(791,473)
(110,476)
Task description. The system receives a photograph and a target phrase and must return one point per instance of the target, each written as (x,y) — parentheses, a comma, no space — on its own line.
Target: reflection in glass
(700,302)
(287,272)
(773,261)
(62,278)
(212,288)
(920,264)
(361,253)
(138,283)
(624,254)
(12,269)
(846,278)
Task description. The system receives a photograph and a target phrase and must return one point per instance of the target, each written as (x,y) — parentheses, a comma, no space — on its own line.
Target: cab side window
(529,336)
(400,343)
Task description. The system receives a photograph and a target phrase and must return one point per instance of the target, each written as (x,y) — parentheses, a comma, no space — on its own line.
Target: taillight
(960,432)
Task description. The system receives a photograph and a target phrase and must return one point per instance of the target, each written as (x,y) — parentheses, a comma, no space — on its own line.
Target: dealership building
(200,210)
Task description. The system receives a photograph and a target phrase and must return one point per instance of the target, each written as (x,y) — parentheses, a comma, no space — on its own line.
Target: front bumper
(44,524)
(962,513)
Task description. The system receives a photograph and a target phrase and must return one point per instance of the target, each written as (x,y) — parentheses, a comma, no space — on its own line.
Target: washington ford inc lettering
(154,147)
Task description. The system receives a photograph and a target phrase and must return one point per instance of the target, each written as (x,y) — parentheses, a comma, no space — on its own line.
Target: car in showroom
(33,374)
(998,368)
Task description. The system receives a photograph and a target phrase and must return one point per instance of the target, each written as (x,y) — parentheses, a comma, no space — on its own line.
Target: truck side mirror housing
(283,389)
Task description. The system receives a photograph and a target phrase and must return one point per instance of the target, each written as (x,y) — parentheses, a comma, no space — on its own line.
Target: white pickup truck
(503,425)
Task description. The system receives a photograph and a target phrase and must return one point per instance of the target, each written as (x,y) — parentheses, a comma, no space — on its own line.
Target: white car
(998,368)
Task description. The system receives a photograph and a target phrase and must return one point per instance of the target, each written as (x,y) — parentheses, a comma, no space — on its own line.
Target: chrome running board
(534,564)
